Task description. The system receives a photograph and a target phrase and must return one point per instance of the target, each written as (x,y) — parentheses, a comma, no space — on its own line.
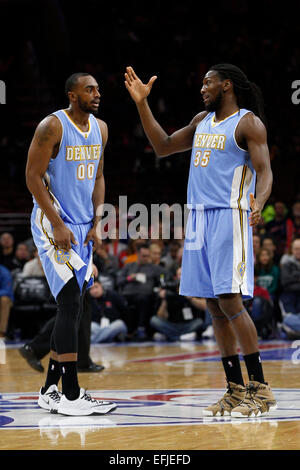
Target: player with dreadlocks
(230,163)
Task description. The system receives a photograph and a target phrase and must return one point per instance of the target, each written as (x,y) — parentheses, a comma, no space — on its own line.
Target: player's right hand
(255,214)
(63,237)
(137,89)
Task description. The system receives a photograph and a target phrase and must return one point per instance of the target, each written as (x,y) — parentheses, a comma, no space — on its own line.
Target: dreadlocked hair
(248,94)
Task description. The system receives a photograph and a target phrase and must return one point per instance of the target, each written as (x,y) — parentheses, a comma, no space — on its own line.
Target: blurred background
(43,42)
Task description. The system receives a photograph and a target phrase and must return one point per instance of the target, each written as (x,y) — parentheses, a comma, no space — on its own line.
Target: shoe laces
(55,396)
(88,397)
(251,389)
(250,397)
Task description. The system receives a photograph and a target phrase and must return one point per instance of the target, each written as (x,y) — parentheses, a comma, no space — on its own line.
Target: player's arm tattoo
(45,135)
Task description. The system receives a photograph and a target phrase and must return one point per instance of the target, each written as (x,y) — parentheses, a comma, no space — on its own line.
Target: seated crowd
(135,296)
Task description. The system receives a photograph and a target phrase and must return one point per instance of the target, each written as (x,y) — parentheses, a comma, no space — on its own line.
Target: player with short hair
(64,173)
(229,161)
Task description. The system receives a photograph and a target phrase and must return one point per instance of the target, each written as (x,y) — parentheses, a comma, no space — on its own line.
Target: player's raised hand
(255,215)
(137,89)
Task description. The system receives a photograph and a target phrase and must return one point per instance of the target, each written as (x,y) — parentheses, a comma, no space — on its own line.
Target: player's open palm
(137,89)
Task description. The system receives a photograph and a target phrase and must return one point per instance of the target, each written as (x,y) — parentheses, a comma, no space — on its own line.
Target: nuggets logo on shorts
(62,256)
(241,267)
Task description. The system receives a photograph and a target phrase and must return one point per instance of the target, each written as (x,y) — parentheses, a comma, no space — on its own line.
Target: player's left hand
(92,235)
(255,215)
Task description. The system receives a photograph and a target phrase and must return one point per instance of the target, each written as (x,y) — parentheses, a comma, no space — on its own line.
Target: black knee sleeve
(52,342)
(65,332)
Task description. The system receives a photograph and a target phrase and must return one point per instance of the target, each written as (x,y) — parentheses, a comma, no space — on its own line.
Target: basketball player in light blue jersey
(64,173)
(229,163)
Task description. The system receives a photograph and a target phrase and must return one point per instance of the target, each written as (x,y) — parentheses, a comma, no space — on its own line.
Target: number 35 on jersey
(202,157)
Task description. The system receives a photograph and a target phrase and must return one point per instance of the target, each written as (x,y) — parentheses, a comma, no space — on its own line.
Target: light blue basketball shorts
(60,265)
(218,254)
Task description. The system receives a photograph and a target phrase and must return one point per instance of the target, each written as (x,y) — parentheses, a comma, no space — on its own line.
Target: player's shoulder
(49,127)
(103,129)
(250,123)
(51,121)
(102,124)
(198,118)
(251,128)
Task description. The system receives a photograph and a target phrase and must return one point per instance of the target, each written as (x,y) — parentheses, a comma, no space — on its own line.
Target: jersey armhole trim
(62,133)
(99,128)
(240,148)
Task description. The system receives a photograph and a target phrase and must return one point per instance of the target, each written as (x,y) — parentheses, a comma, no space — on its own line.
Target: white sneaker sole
(86,412)
(218,414)
(238,414)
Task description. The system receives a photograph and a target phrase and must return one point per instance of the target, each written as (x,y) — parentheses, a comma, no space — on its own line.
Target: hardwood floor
(160,390)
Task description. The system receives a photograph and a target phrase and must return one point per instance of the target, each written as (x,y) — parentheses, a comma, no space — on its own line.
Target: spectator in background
(22,255)
(268,274)
(114,246)
(280,229)
(269,244)
(178,318)
(256,246)
(7,250)
(296,219)
(171,256)
(290,279)
(177,262)
(33,267)
(109,310)
(136,281)
(126,251)
(155,254)
(131,254)
(155,258)
(6,298)
(268,212)
(157,231)
(107,263)
(260,308)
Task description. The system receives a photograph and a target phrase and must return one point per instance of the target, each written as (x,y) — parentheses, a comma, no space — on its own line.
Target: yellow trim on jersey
(52,242)
(240,209)
(213,120)
(80,130)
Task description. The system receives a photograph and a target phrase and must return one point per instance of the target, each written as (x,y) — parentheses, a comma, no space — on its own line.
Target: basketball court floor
(161,390)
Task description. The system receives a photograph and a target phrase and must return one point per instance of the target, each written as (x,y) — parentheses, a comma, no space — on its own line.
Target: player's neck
(79,117)
(226,110)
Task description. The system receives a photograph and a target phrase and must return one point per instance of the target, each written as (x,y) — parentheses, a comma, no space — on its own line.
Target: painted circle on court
(163,407)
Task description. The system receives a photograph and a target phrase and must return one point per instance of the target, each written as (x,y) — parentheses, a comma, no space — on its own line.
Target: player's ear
(227,85)
(72,96)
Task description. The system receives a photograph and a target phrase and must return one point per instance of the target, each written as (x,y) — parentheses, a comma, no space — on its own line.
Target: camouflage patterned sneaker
(234,395)
(259,400)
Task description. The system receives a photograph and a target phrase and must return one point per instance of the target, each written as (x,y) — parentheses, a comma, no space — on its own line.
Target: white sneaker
(159,336)
(50,399)
(209,332)
(84,405)
(188,336)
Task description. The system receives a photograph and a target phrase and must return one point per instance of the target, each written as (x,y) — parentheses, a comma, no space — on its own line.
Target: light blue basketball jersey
(70,180)
(221,173)
(70,176)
